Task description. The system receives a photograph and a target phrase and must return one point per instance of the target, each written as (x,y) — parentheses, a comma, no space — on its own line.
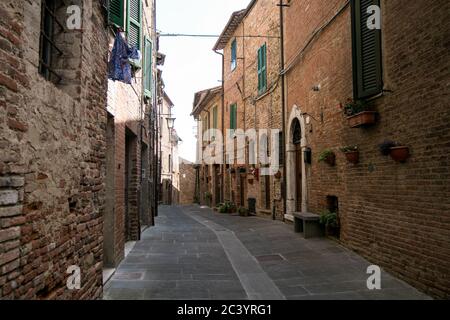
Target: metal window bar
(47,44)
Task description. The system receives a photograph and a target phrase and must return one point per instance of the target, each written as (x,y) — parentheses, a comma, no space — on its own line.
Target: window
(215,118)
(116,10)
(148,70)
(262,69)
(48,50)
(134,20)
(233,54)
(367,69)
(280,148)
(233,117)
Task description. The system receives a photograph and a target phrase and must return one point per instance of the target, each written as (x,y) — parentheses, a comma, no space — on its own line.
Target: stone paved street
(195,253)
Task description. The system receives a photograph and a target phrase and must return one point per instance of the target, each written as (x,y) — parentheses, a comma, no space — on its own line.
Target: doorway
(109,217)
(297,138)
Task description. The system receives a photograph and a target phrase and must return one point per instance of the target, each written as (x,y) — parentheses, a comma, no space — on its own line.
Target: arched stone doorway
(296,193)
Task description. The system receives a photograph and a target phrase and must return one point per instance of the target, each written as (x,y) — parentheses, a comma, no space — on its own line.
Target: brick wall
(187,182)
(393,214)
(255,110)
(52,159)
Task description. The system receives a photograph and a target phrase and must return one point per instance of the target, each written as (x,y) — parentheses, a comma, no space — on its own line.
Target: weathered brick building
(252,100)
(187,182)
(207,110)
(394,214)
(53,88)
(130,133)
(168,140)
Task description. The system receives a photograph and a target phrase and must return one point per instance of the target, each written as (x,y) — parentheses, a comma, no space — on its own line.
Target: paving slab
(196,253)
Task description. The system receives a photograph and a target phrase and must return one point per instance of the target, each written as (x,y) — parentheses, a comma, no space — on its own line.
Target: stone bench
(308,224)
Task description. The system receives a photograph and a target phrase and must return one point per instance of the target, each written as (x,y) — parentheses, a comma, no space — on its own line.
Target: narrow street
(196,253)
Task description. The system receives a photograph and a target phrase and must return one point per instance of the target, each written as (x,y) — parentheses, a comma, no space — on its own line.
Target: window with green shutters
(367,64)
(233,54)
(233,117)
(134,22)
(262,69)
(148,70)
(116,10)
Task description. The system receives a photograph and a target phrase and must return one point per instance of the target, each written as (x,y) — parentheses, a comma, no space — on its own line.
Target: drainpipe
(283,106)
(222,180)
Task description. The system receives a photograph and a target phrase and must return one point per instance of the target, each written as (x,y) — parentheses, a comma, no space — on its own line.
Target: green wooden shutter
(262,69)
(367,67)
(116,10)
(233,116)
(148,68)
(134,22)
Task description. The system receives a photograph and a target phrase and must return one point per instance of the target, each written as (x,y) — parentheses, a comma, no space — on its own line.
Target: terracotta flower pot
(278,175)
(400,154)
(352,157)
(331,160)
(362,119)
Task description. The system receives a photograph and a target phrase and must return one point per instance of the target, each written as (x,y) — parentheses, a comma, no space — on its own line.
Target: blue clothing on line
(119,65)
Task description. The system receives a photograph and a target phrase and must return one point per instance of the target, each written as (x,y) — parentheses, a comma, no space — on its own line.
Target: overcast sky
(191,65)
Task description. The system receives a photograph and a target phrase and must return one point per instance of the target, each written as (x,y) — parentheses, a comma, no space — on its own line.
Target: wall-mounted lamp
(171,123)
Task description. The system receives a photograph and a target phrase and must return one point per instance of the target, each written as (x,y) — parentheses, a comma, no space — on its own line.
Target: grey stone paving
(195,253)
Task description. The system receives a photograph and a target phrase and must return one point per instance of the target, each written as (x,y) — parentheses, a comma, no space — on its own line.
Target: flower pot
(400,154)
(331,160)
(352,157)
(278,174)
(362,119)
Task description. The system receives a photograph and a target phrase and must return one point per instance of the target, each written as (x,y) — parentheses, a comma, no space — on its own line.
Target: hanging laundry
(119,64)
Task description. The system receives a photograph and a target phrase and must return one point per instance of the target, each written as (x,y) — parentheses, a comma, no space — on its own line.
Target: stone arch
(295,115)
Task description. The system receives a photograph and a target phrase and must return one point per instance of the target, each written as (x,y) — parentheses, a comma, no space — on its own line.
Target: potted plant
(397,151)
(328,156)
(243,212)
(400,153)
(231,207)
(278,174)
(385,147)
(208,197)
(223,208)
(358,113)
(330,221)
(351,153)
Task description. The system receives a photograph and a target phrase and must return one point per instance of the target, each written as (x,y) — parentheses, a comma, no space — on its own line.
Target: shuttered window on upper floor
(367,58)
(134,22)
(116,10)
(262,69)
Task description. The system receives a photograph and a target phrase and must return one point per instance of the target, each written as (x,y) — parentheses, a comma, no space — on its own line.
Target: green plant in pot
(328,156)
(397,151)
(358,113)
(208,197)
(231,207)
(351,153)
(243,211)
(330,221)
(223,208)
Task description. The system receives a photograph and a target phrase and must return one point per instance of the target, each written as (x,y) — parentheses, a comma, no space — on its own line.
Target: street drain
(271,257)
